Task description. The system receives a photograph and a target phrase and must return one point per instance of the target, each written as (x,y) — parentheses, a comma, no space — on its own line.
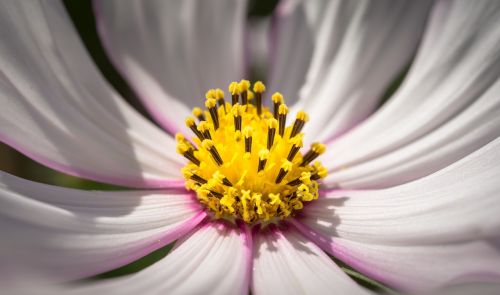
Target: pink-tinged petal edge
(170,126)
(344,254)
(330,277)
(65,238)
(248,242)
(166,239)
(149,183)
(340,252)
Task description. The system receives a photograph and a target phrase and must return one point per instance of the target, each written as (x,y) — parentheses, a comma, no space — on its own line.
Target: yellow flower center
(244,161)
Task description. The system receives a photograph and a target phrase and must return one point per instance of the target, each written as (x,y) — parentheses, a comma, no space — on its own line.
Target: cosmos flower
(410,198)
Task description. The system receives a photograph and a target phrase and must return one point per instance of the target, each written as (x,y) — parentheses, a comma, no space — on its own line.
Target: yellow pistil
(245,163)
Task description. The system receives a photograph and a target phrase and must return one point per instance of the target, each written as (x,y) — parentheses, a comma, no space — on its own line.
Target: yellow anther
(299,123)
(296,204)
(259,87)
(179,137)
(285,210)
(257,199)
(204,126)
(318,148)
(241,181)
(207,144)
(303,193)
(250,95)
(228,200)
(186,172)
(263,157)
(275,199)
(210,103)
(213,204)
(203,195)
(305,178)
(262,175)
(297,140)
(247,131)
(303,116)
(287,165)
(245,200)
(302,189)
(219,94)
(244,85)
(189,122)
(234,88)
(321,171)
(272,123)
(277,97)
(236,110)
(217,177)
(182,148)
(210,94)
(283,109)
(197,112)
(263,154)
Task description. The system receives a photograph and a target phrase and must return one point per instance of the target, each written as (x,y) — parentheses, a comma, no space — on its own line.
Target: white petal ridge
(58,109)
(58,234)
(438,230)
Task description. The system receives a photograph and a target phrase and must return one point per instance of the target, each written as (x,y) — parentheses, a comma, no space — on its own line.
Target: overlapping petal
(64,234)
(171,52)
(291,44)
(458,62)
(214,259)
(483,288)
(58,110)
(441,229)
(342,55)
(287,263)
(469,130)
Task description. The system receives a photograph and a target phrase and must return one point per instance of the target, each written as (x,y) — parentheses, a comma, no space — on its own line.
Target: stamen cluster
(244,160)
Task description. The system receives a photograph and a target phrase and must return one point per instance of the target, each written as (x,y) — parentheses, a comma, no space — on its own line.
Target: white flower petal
(215,259)
(441,229)
(58,109)
(468,131)
(457,62)
(172,52)
(287,263)
(64,234)
(291,46)
(258,44)
(358,47)
(481,288)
